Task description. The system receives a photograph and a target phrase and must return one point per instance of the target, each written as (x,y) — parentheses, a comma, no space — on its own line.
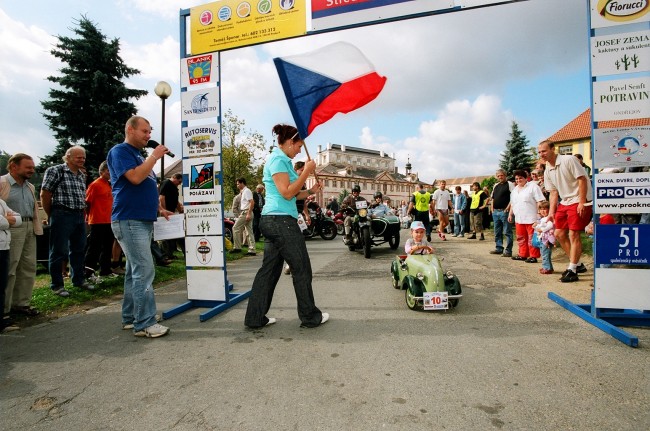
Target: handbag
(536,241)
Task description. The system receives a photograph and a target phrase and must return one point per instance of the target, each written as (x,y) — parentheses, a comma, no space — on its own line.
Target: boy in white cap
(417,244)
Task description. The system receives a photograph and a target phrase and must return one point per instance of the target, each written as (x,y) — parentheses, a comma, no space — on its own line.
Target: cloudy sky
(455,81)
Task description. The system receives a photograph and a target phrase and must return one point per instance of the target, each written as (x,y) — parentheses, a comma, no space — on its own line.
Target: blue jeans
(139,303)
(502,227)
(67,241)
(459,223)
(283,241)
(546,256)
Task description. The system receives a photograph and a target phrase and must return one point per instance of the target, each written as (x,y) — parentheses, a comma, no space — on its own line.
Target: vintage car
(427,286)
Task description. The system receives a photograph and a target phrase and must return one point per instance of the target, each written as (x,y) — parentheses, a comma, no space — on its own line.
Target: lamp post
(162,90)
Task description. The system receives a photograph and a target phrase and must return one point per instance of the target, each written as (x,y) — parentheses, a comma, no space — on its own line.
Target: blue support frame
(608,319)
(232,298)
(215,307)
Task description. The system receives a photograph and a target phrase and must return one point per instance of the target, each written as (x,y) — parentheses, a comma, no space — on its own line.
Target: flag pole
(309,158)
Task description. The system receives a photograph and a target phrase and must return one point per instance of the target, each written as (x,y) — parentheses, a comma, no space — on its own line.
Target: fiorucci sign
(607,13)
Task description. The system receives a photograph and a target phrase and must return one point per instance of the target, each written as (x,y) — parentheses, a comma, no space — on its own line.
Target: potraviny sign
(622,99)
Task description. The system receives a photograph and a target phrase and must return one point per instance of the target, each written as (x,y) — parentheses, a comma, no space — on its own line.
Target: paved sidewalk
(506,358)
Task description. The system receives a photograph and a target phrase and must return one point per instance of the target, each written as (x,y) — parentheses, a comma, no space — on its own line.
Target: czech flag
(321,83)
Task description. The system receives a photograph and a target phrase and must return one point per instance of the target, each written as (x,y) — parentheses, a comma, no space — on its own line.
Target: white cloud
(156,61)
(25,53)
(464,140)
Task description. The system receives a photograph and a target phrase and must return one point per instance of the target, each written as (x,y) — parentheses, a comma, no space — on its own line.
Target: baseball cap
(417,225)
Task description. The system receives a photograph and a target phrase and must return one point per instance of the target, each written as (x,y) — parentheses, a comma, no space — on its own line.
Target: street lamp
(162,90)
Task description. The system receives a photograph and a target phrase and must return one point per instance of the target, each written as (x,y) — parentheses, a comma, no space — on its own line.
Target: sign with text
(435,300)
(622,147)
(202,140)
(199,104)
(622,99)
(330,14)
(206,285)
(202,69)
(203,184)
(620,53)
(622,244)
(627,193)
(203,220)
(204,251)
(230,24)
(607,13)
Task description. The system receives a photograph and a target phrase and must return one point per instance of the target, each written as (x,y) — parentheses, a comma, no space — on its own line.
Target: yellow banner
(230,24)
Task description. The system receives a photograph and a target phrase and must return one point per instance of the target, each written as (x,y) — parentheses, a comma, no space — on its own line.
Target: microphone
(154,144)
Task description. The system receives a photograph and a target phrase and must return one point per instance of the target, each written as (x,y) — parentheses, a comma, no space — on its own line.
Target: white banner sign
(622,147)
(620,53)
(627,193)
(203,220)
(633,294)
(206,285)
(203,185)
(199,104)
(622,99)
(607,13)
(202,140)
(204,251)
(202,69)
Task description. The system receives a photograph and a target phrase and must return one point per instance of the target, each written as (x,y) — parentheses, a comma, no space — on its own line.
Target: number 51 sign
(623,244)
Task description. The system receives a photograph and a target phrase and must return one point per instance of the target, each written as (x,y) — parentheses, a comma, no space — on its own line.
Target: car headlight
(449,274)
(363,212)
(419,276)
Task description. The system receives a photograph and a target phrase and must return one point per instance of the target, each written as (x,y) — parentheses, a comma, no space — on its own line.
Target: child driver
(417,244)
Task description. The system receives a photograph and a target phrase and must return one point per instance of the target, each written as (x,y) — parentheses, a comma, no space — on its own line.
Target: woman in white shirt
(523,210)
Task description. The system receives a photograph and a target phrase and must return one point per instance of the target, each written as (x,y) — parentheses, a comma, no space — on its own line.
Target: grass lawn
(47,303)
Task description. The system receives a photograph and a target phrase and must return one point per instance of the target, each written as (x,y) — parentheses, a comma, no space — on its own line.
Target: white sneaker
(325,318)
(271,321)
(153,331)
(287,270)
(126,326)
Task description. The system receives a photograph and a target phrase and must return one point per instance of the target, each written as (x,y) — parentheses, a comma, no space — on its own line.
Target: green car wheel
(413,288)
(394,272)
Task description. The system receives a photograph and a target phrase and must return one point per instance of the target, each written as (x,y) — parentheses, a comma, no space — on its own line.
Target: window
(566,150)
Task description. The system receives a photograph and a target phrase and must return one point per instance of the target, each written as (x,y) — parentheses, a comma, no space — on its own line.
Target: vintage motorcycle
(320,224)
(338,219)
(367,232)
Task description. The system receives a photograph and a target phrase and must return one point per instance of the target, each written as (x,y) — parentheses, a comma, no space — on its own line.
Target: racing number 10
(626,238)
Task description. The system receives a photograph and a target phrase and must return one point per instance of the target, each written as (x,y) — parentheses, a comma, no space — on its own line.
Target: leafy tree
(90,104)
(518,154)
(342,195)
(242,155)
(4,159)
(489,182)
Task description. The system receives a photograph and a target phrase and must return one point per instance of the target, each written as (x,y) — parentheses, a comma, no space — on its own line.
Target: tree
(242,155)
(518,154)
(4,161)
(489,182)
(90,104)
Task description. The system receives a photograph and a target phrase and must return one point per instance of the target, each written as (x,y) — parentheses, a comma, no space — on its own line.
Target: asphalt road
(507,358)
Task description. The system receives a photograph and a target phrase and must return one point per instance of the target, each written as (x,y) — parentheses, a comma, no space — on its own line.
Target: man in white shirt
(565,177)
(245,220)
(442,199)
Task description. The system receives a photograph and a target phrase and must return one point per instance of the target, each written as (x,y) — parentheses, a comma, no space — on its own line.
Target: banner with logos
(230,24)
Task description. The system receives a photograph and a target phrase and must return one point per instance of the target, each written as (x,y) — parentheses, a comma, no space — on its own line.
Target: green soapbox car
(427,286)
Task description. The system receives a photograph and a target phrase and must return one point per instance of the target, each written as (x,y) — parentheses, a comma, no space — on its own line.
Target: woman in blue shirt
(283,239)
